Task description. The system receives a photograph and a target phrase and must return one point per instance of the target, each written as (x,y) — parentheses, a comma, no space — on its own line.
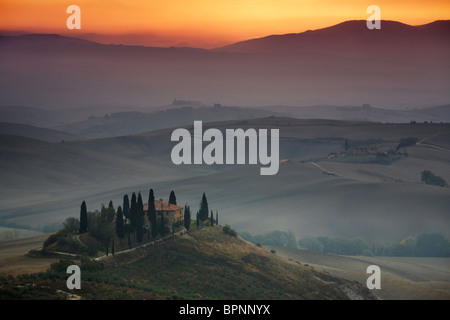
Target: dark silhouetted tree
(204,211)
(133,212)
(140,205)
(120,227)
(139,228)
(217,217)
(187,217)
(151,213)
(126,207)
(110,205)
(212,218)
(172,198)
(83,218)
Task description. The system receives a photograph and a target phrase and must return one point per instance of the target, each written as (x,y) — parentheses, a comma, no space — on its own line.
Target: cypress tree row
(83,218)
(172,198)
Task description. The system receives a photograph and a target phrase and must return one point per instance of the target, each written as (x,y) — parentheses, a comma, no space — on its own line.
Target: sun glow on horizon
(205,22)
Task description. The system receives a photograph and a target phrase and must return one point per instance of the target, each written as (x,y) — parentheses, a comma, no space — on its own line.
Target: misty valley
(297,160)
(214,153)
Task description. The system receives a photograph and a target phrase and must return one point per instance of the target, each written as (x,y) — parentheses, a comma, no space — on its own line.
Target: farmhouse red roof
(161,205)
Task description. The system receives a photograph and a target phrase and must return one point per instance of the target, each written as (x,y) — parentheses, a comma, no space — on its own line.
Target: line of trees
(128,222)
(424,245)
(204,216)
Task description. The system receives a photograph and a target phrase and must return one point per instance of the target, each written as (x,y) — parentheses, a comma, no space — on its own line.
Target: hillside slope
(402,278)
(204,264)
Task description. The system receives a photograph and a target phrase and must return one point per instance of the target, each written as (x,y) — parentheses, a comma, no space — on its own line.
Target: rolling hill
(405,278)
(46,182)
(205,264)
(49,135)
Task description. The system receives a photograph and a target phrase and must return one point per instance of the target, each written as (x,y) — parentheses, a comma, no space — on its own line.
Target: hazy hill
(46,182)
(352,39)
(97,122)
(204,264)
(346,64)
(35,132)
(367,113)
(133,122)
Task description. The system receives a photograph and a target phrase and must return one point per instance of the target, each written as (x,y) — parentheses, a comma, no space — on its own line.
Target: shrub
(90,265)
(55,237)
(71,225)
(227,230)
(407,142)
(430,178)
(61,266)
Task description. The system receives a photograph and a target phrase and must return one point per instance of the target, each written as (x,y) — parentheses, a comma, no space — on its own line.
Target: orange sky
(204,23)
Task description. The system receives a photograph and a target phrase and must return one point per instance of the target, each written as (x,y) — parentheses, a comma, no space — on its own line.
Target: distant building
(363,150)
(171,212)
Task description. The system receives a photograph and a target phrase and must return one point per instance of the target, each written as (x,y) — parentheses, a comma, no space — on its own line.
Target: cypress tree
(198,219)
(172,198)
(133,212)
(83,218)
(140,207)
(151,213)
(217,218)
(120,228)
(204,211)
(187,217)
(126,207)
(212,219)
(139,228)
(110,205)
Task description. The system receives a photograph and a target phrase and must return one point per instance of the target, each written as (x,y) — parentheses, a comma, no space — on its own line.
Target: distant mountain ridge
(345,36)
(346,64)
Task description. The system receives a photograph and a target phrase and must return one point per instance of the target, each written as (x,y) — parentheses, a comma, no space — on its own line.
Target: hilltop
(205,264)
